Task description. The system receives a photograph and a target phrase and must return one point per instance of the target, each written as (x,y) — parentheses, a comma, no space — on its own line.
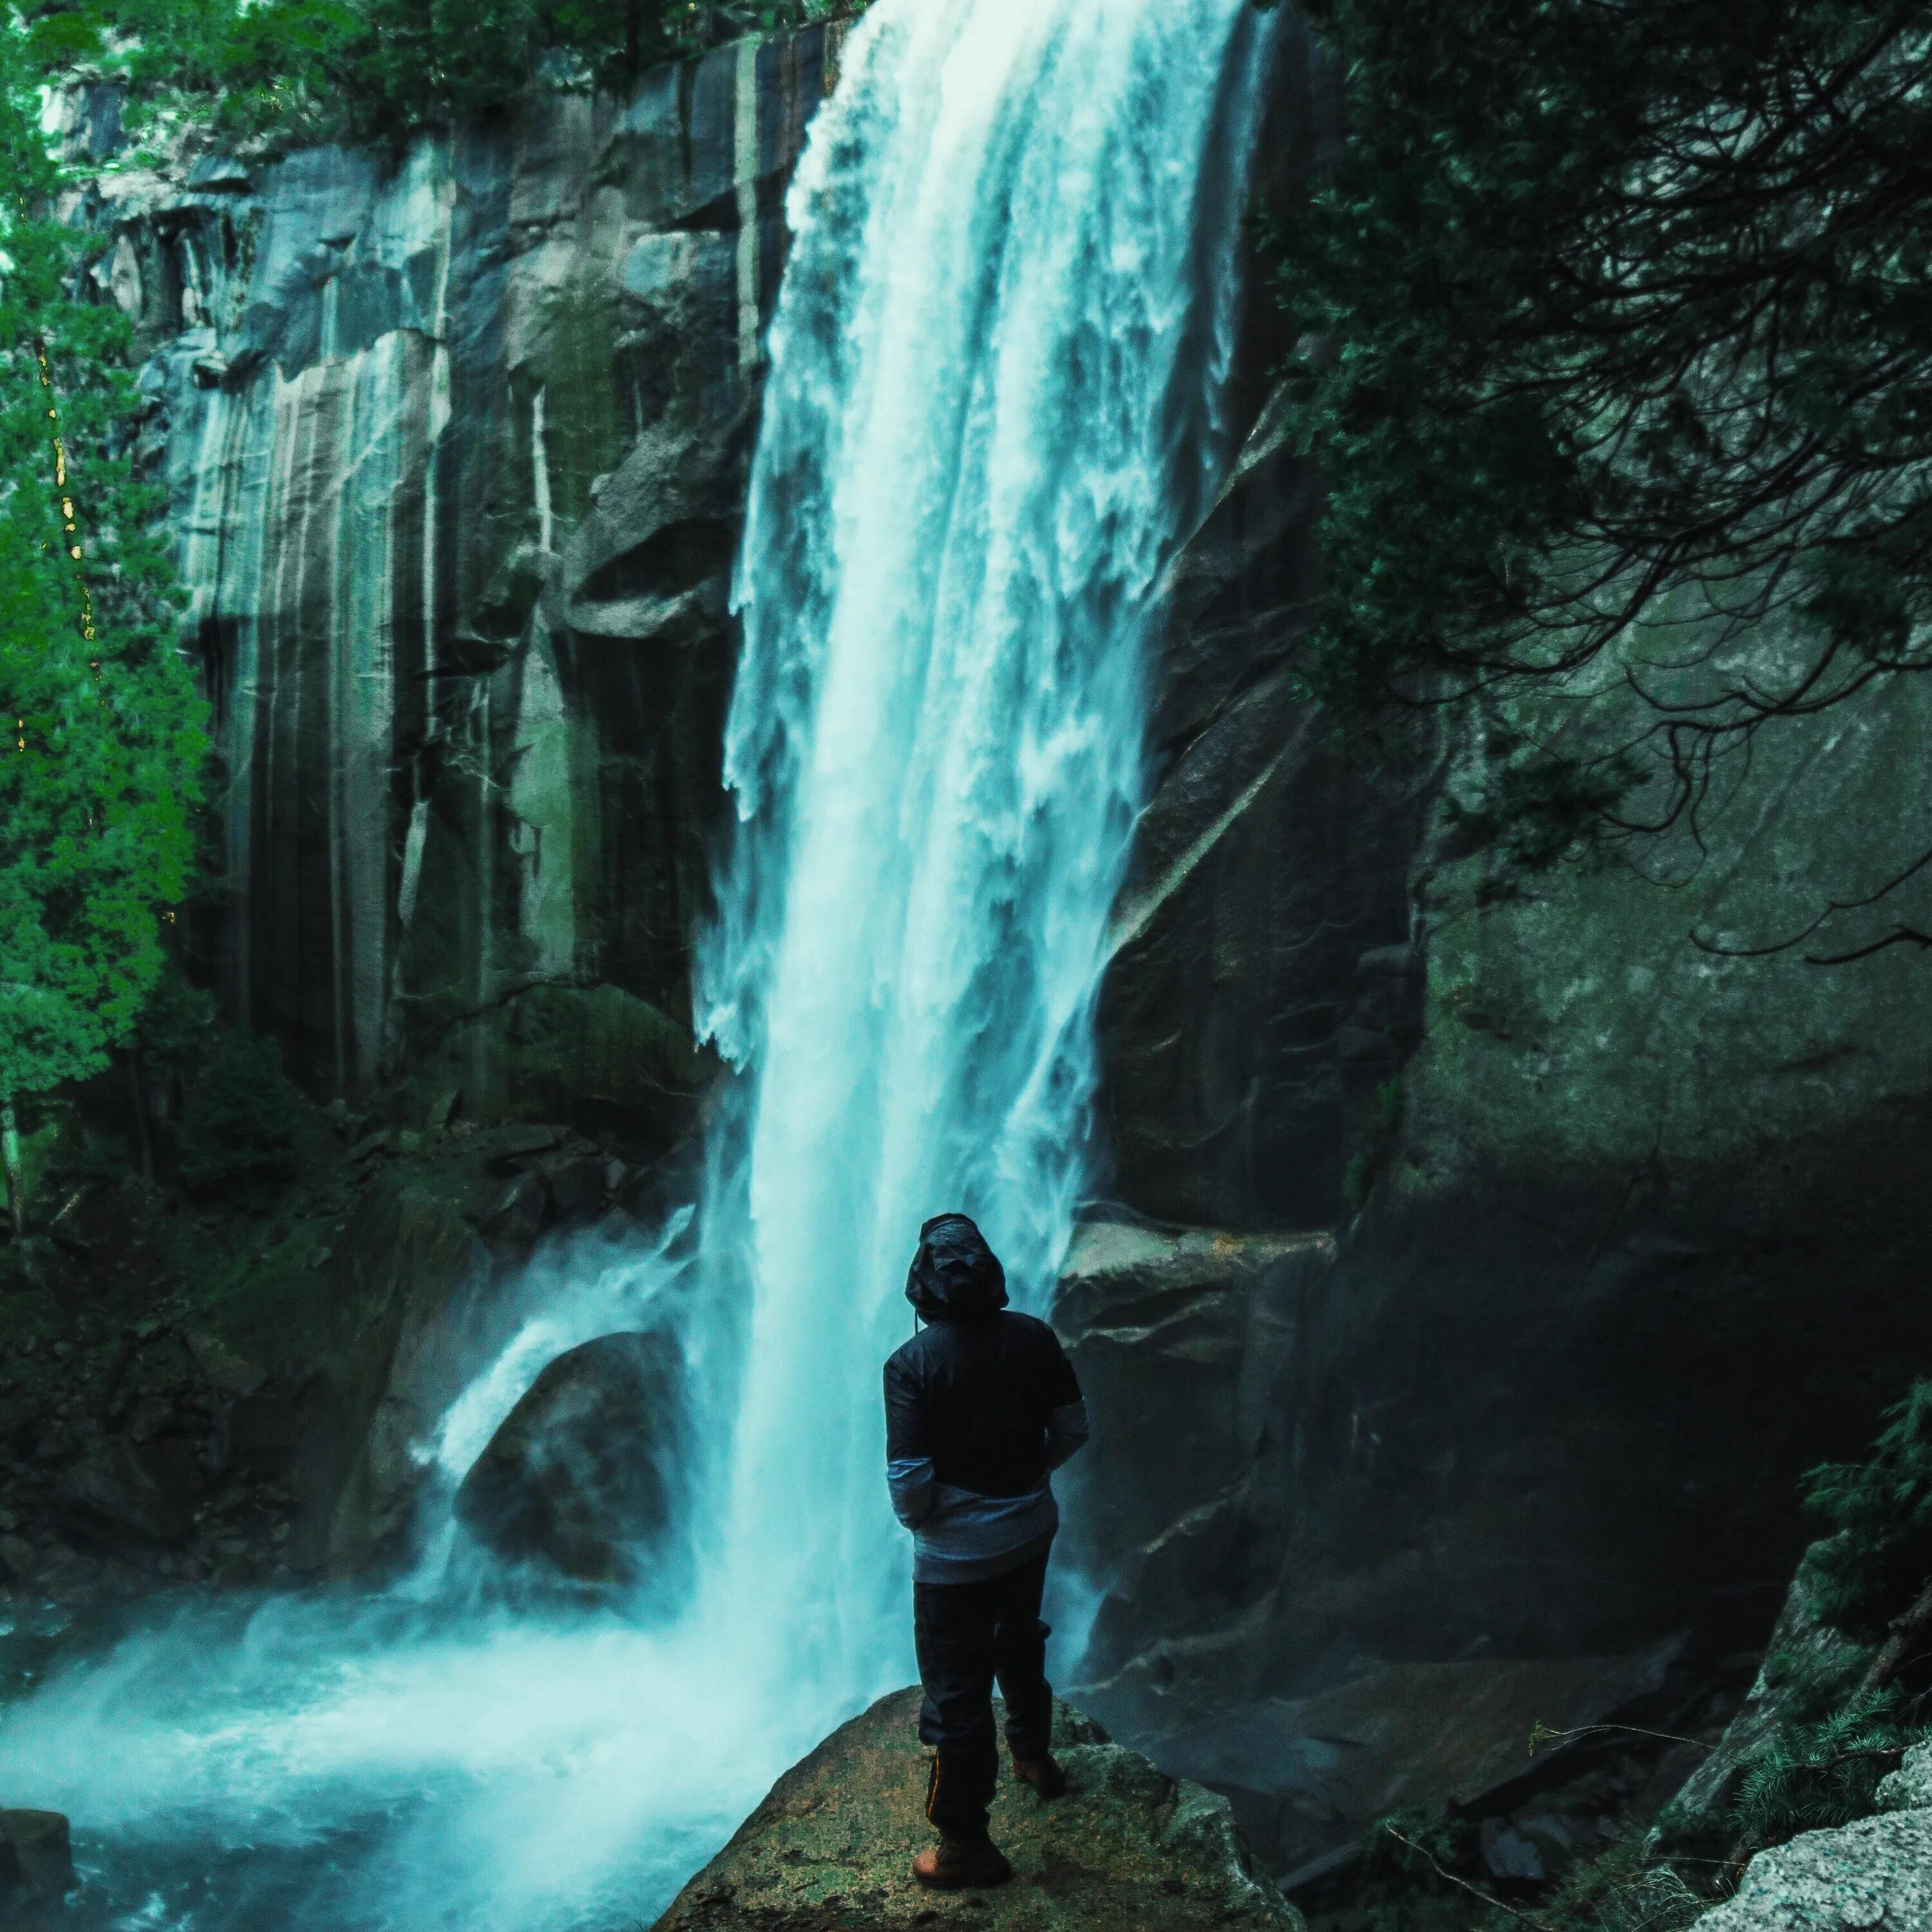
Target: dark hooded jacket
(975,1393)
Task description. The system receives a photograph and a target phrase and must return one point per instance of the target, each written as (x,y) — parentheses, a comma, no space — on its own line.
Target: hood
(954,1276)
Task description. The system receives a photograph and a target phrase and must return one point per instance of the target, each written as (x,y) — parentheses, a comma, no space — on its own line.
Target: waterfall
(992,414)
(995,367)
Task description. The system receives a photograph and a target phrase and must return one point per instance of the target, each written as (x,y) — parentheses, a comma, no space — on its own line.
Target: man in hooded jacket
(981,1407)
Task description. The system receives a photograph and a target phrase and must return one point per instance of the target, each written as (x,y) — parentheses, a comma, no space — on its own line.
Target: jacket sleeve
(910,1474)
(1066,1426)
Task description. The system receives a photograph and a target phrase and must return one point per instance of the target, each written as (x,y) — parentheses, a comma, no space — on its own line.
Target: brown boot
(1043,1773)
(959,1865)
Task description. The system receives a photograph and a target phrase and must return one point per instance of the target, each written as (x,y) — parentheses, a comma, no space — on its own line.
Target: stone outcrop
(1802,1655)
(829,1850)
(580,1478)
(1180,1519)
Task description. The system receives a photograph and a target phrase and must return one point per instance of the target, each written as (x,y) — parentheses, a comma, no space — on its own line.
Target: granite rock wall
(455,443)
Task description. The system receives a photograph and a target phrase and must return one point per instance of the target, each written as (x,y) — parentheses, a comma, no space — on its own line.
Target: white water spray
(992,414)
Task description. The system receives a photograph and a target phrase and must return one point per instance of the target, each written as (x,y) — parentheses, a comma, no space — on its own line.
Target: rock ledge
(1127,1847)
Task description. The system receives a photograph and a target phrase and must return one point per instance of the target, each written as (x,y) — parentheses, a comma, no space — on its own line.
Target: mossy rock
(831,1848)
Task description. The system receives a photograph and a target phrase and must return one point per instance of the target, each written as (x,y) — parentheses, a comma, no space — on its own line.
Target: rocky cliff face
(456,445)
(1628,1234)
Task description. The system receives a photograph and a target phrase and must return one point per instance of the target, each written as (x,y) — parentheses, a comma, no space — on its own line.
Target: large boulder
(1127,1847)
(1872,1876)
(580,1478)
(1181,1525)
(36,1854)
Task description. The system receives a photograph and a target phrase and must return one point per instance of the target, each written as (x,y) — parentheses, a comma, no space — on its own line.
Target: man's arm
(1066,1433)
(910,1474)
(1067,1427)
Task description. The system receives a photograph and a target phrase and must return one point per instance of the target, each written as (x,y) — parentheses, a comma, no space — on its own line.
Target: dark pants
(968,1634)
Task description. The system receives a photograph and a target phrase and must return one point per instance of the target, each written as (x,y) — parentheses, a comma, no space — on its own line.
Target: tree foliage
(1615,327)
(295,70)
(1878,1555)
(1815,1777)
(101,739)
(238,1130)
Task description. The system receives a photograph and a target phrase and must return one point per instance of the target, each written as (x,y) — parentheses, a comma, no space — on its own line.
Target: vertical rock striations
(456,447)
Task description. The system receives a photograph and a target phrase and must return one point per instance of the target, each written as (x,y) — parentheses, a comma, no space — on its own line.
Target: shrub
(238,1131)
(1880,1558)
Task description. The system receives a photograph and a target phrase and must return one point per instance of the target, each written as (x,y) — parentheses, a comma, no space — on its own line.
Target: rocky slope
(830,1850)
(223,1398)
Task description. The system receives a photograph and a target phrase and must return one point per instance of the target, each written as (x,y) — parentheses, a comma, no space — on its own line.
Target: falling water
(991,413)
(994,369)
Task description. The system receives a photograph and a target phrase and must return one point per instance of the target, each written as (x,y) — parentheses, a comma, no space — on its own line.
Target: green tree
(102,744)
(1614,329)
(292,71)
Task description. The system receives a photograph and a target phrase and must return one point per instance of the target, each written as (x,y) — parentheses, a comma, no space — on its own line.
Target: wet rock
(1308,1775)
(1184,1526)
(521,1212)
(1192,1325)
(38,1857)
(578,1185)
(515,1144)
(579,1478)
(1127,1847)
(130,1497)
(398,1340)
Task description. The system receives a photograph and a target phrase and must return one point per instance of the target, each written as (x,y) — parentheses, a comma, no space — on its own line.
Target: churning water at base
(991,413)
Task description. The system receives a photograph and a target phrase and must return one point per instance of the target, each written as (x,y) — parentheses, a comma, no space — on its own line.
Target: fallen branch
(1475,1890)
(1539,1735)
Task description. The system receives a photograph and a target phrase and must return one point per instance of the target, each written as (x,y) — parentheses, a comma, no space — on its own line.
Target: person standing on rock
(981,1407)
